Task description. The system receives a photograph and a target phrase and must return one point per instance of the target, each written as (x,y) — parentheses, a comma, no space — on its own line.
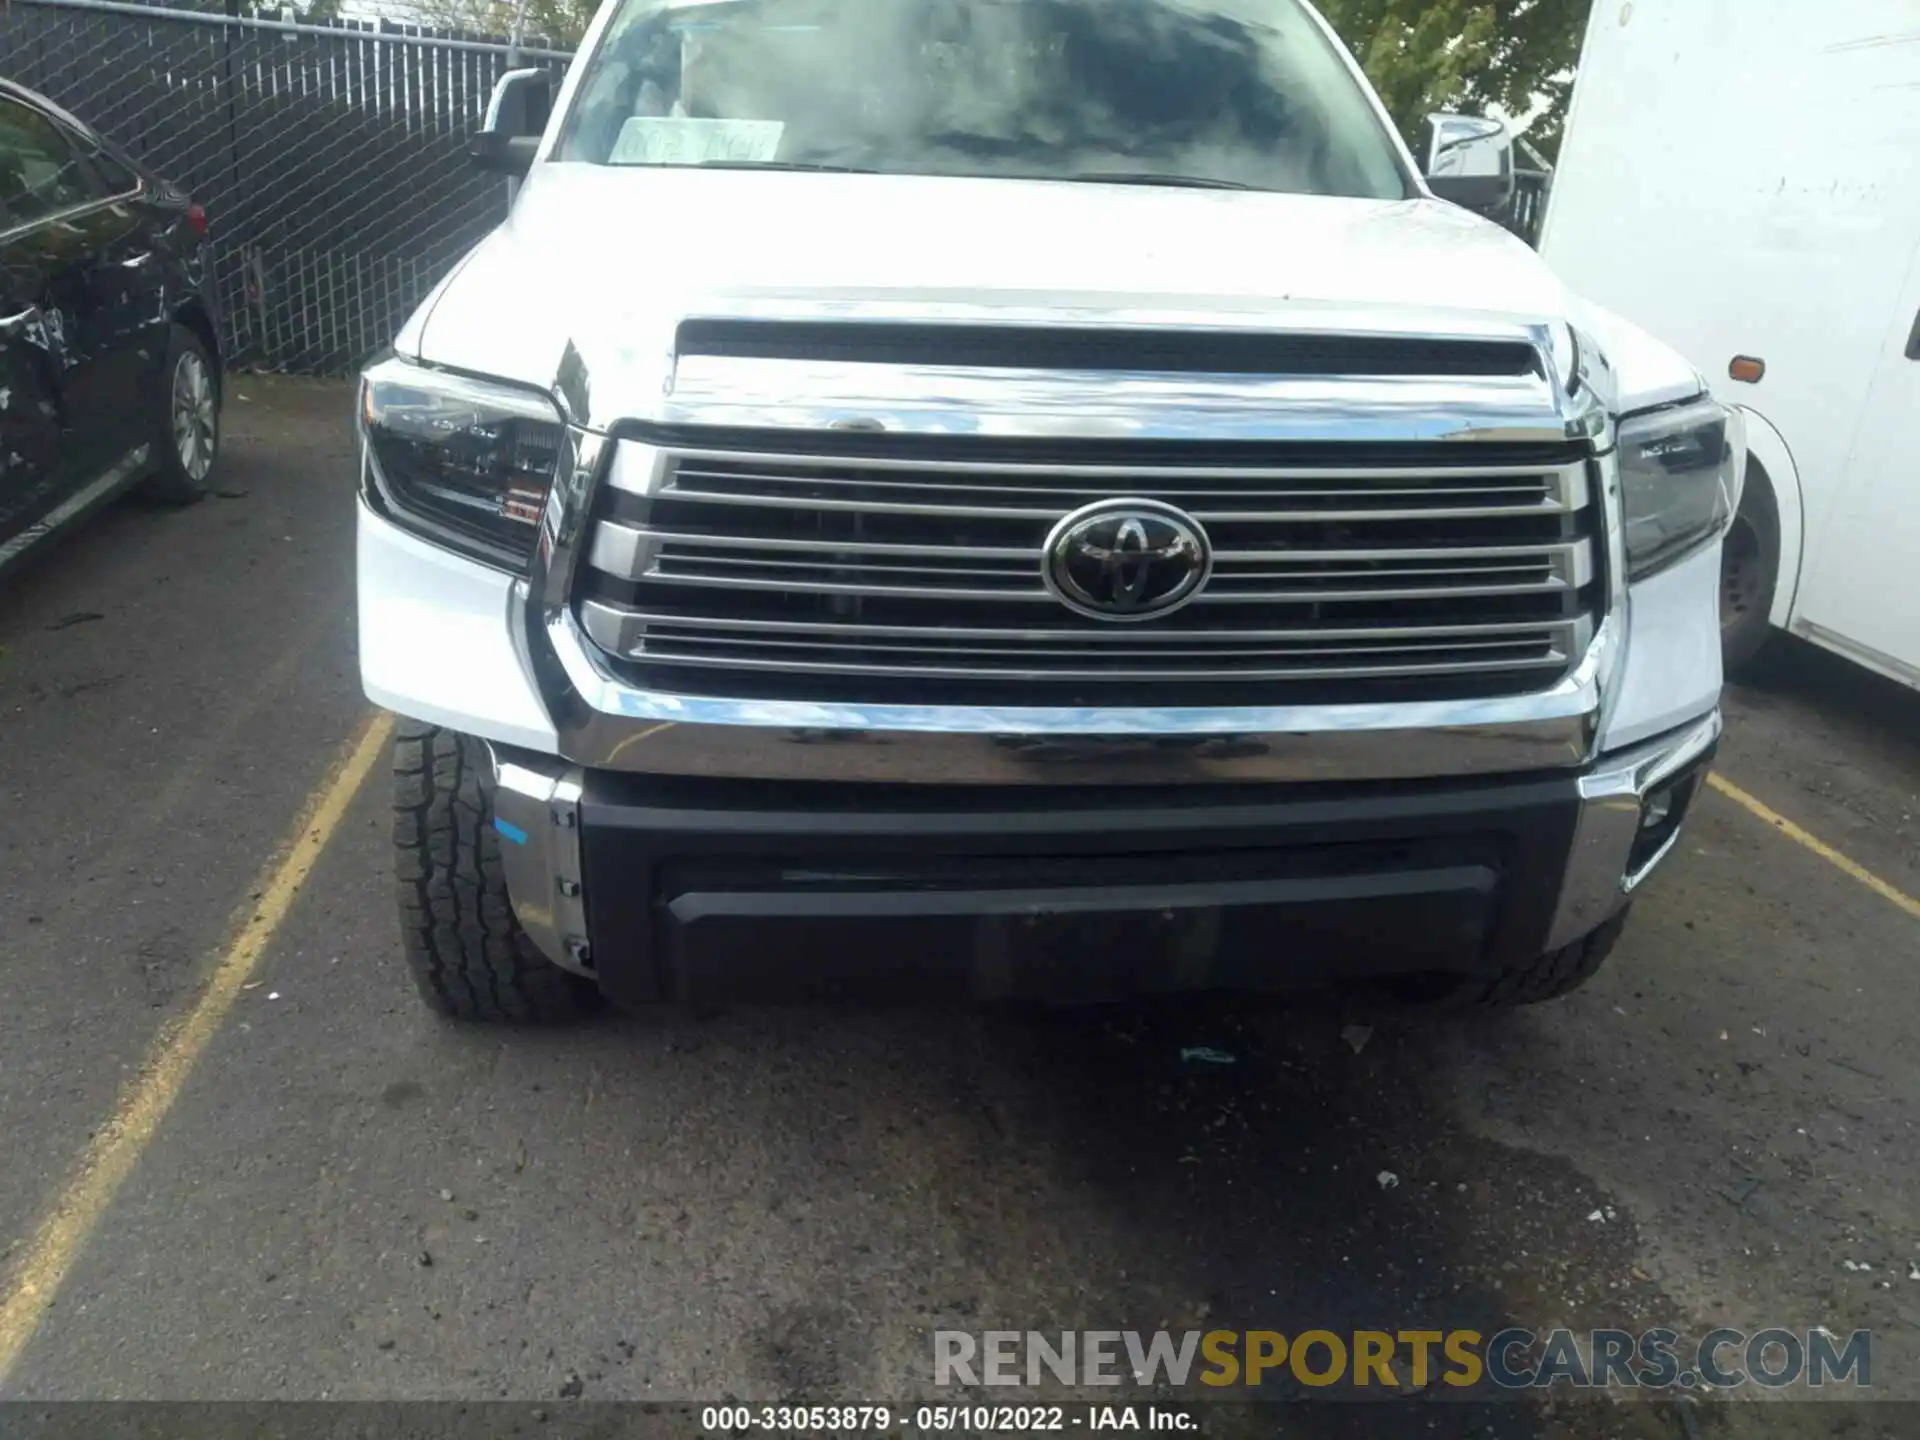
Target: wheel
(468,954)
(1558,972)
(187,436)
(1749,570)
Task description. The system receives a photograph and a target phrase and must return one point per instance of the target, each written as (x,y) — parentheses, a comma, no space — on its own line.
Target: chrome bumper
(609,725)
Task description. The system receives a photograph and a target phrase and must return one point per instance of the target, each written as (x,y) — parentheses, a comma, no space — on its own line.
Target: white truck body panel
(436,639)
(1739,176)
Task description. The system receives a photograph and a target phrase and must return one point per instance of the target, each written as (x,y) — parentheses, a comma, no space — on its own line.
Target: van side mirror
(1470,161)
(516,118)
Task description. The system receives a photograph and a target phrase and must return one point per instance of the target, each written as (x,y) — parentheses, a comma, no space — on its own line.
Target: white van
(1744,179)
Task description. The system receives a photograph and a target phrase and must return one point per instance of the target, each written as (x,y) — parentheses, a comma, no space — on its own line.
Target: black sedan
(110,370)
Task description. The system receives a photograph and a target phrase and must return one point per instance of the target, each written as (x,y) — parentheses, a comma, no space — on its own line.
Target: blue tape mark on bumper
(510,830)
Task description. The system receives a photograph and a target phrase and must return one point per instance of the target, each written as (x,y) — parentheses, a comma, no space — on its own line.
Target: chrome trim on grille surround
(603,722)
(707,574)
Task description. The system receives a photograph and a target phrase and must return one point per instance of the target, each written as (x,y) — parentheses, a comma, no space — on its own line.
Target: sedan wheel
(195,424)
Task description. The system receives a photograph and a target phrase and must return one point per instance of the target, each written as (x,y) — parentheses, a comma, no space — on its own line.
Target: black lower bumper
(707,891)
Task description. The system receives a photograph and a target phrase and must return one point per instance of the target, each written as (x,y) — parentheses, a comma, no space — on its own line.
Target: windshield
(1234,93)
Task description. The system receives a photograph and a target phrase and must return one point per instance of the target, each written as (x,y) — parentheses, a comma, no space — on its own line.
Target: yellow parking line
(118,1144)
(1819,847)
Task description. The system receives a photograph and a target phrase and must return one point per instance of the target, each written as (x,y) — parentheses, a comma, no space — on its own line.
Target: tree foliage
(316,12)
(1427,55)
(558,23)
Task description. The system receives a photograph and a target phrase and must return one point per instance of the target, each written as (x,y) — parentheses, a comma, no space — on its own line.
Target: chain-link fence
(331,157)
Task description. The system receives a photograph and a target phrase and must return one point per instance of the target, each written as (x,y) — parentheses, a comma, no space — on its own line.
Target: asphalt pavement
(352,1200)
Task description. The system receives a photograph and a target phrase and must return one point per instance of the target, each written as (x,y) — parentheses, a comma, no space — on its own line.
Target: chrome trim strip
(1052,512)
(620,548)
(1563,489)
(639,552)
(921,585)
(1633,879)
(1122,405)
(1544,554)
(1596,883)
(626,365)
(613,627)
(1075,469)
(1247,669)
(96,492)
(70,213)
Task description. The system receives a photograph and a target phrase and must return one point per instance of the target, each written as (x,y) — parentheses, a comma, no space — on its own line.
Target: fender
(1769,447)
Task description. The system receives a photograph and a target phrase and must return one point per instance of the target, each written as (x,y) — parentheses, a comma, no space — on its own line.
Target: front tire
(186,436)
(466,951)
(1552,975)
(1749,571)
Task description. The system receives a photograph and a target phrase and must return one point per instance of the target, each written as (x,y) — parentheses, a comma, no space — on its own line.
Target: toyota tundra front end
(1021,499)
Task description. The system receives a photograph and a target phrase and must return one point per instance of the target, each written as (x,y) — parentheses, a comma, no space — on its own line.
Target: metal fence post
(514,37)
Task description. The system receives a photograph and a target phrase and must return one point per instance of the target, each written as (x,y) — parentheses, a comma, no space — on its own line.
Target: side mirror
(1470,161)
(516,118)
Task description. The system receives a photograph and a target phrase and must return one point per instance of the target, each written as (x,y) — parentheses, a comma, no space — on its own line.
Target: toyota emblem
(1127,559)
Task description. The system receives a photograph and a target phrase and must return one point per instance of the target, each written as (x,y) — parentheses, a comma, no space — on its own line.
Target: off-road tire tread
(467,952)
(1556,973)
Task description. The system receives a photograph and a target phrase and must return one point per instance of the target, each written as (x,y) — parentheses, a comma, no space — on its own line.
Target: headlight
(467,461)
(1680,475)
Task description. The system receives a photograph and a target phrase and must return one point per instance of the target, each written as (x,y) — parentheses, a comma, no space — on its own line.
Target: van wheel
(1749,570)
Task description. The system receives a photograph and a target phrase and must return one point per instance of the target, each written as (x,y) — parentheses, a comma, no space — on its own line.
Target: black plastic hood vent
(1200,352)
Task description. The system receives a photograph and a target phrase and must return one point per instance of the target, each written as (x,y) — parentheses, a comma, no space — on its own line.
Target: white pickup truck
(1022,498)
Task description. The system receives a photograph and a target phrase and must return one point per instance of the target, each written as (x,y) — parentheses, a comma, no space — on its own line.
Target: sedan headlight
(1680,476)
(467,462)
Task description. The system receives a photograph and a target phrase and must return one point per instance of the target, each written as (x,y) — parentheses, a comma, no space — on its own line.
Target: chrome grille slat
(926,586)
(1021,574)
(919,666)
(615,541)
(1201,513)
(692,459)
(850,567)
(877,590)
(608,625)
(729,569)
(1237,651)
(1019,491)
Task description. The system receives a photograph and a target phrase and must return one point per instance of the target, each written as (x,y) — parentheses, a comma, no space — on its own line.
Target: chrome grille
(870,573)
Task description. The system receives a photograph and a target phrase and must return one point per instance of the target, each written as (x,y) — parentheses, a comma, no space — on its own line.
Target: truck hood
(608,261)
